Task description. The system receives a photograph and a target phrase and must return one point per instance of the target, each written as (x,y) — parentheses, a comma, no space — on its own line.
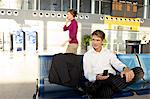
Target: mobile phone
(105,72)
(124,76)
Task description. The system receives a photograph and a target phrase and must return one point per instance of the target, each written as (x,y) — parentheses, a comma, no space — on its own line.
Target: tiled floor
(18,73)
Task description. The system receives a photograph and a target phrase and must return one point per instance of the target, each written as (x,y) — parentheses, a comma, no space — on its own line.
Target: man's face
(96,42)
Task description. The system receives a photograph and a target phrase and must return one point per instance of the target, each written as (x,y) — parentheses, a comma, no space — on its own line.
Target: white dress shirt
(96,62)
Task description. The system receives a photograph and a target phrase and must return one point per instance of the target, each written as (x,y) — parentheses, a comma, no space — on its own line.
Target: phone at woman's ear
(105,72)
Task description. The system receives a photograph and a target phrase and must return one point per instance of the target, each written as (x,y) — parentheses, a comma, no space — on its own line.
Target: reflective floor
(18,73)
(18,67)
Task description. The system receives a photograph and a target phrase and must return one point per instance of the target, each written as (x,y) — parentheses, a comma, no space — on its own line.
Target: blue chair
(143,87)
(46,89)
(45,64)
(58,91)
(131,61)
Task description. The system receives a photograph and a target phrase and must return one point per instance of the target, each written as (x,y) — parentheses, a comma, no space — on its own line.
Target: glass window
(85,6)
(11,4)
(106,7)
(37,5)
(140,10)
(30,4)
(66,5)
(53,5)
(17,4)
(97,7)
(74,4)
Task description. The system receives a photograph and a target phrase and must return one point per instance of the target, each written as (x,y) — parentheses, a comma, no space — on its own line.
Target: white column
(93,6)
(34,5)
(70,4)
(78,6)
(146,9)
(62,5)
(100,4)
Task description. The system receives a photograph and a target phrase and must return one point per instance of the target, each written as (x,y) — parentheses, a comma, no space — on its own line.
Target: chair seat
(143,91)
(123,93)
(141,87)
(58,91)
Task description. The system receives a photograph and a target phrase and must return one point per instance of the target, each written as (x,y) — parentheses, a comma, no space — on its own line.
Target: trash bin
(133,46)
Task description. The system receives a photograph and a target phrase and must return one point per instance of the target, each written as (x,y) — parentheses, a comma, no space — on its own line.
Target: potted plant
(86,41)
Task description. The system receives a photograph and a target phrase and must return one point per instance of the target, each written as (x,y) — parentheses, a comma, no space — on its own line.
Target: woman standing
(73,29)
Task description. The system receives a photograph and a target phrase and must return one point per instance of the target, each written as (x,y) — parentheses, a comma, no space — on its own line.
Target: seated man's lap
(114,82)
(119,83)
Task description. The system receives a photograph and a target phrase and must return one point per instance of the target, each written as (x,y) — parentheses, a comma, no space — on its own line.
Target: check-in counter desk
(136,46)
(133,46)
(145,48)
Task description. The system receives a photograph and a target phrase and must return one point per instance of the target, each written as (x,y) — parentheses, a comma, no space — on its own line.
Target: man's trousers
(106,88)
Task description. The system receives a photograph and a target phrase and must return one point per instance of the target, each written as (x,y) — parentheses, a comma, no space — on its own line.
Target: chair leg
(37,90)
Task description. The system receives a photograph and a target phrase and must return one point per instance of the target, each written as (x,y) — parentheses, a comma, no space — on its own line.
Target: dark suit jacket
(66,69)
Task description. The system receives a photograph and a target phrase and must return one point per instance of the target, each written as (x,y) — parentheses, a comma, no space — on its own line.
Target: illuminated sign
(119,23)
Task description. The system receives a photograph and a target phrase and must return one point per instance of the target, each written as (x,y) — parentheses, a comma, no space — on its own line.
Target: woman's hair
(99,33)
(73,12)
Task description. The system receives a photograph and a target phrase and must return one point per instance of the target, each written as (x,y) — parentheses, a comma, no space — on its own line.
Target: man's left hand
(129,74)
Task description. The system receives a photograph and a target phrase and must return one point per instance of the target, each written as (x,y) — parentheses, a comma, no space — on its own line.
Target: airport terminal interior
(31,31)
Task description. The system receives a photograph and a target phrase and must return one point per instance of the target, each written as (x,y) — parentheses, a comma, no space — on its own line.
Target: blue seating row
(131,60)
(142,86)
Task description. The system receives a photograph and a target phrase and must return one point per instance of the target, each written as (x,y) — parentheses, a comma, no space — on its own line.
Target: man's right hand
(129,74)
(100,77)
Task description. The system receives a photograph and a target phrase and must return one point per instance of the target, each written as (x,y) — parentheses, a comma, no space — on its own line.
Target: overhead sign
(119,23)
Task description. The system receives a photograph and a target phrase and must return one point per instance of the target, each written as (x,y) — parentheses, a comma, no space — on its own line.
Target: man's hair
(73,12)
(99,33)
